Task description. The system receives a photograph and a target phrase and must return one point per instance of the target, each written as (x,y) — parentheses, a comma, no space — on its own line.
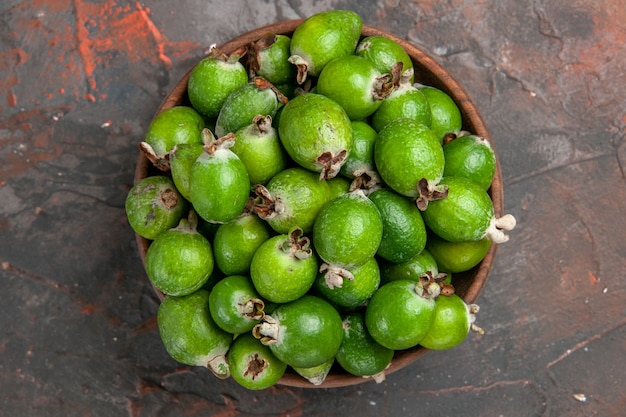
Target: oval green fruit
(385,53)
(235,305)
(252,364)
(445,114)
(349,288)
(471,157)
(457,256)
(451,325)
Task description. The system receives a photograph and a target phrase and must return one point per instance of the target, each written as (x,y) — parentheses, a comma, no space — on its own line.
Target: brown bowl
(468,285)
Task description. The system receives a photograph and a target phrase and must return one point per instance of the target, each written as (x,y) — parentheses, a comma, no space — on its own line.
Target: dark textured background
(79,82)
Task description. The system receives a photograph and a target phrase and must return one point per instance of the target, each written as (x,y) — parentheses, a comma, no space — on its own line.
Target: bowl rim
(429,72)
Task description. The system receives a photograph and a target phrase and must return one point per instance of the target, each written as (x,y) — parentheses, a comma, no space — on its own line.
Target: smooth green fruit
(284,267)
(471,157)
(154,205)
(235,305)
(445,114)
(269,58)
(219,186)
(303,333)
(348,230)
(252,364)
(349,287)
(182,158)
(213,79)
(190,335)
(236,242)
(338,186)
(361,155)
(292,198)
(452,323)
(411,269)
(359,354)
(457,256)
(316,132)
(321,38)
(404,232)
(180,260)
(399,314)
(385,53)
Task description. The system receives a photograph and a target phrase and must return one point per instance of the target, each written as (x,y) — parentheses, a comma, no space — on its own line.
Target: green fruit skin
(261,152)
(188,332)
(219,186)
(359,354)
(154,205)
(273,61)
(174,126)
(312,124)
(407,151)
(384,53)
(325,36)
(445,114)
(226,302)
(355,292)
(211,81)
(350,82)
(310,332)
(405,102)
(279,276)
(302,196)
(361,155)
(178,262)
(182,158)
(348,231)
(451,324)
(404,232)
(464,215)
(411,269)
(242,105)
(457,256)
(471,157)
(252,364)
(235,242)
(338,186)
(397,317)
(316,374)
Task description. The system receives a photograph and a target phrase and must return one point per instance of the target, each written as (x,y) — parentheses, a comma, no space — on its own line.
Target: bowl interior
(469,284)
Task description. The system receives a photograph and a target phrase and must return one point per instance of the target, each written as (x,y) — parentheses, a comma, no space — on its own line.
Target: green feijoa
(213,79)
(252,364)
(292,198)
(218,185)
(321,38)
(338,186)
(406,101)
(466,214)
(182,158)
(154,205)
(303,333)
(410,160)
(359,354)
(400,313)
(316,375)
(452,323)
(284,267)
(419,265)
(356,84)
(445,114)
(348,230)
(457,256)
(180,260)
(269,58)
(258,147)
(235,242)
(316,132)
(240,108)
(190,335)
(472,157)
(385,53)
(235,305)
(348,288)
(361,155)
(404,232)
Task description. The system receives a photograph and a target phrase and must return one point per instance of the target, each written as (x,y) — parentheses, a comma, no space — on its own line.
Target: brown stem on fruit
(387,83)
(265,205)
(498,226)
(236,55)
(255,50)
(427,192)
(297,245)
(473,310)
(302,66)
(219,366)
(214,145)
(267,331)
(169,198)
(379,377)
(252,308)
(331,164)
(255,366)
(431,286)
(335,275)
(366,180)
(262,84)
(262,123)
(162,163)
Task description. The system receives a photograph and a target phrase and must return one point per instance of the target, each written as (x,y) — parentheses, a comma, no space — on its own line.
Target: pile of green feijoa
(311,206)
